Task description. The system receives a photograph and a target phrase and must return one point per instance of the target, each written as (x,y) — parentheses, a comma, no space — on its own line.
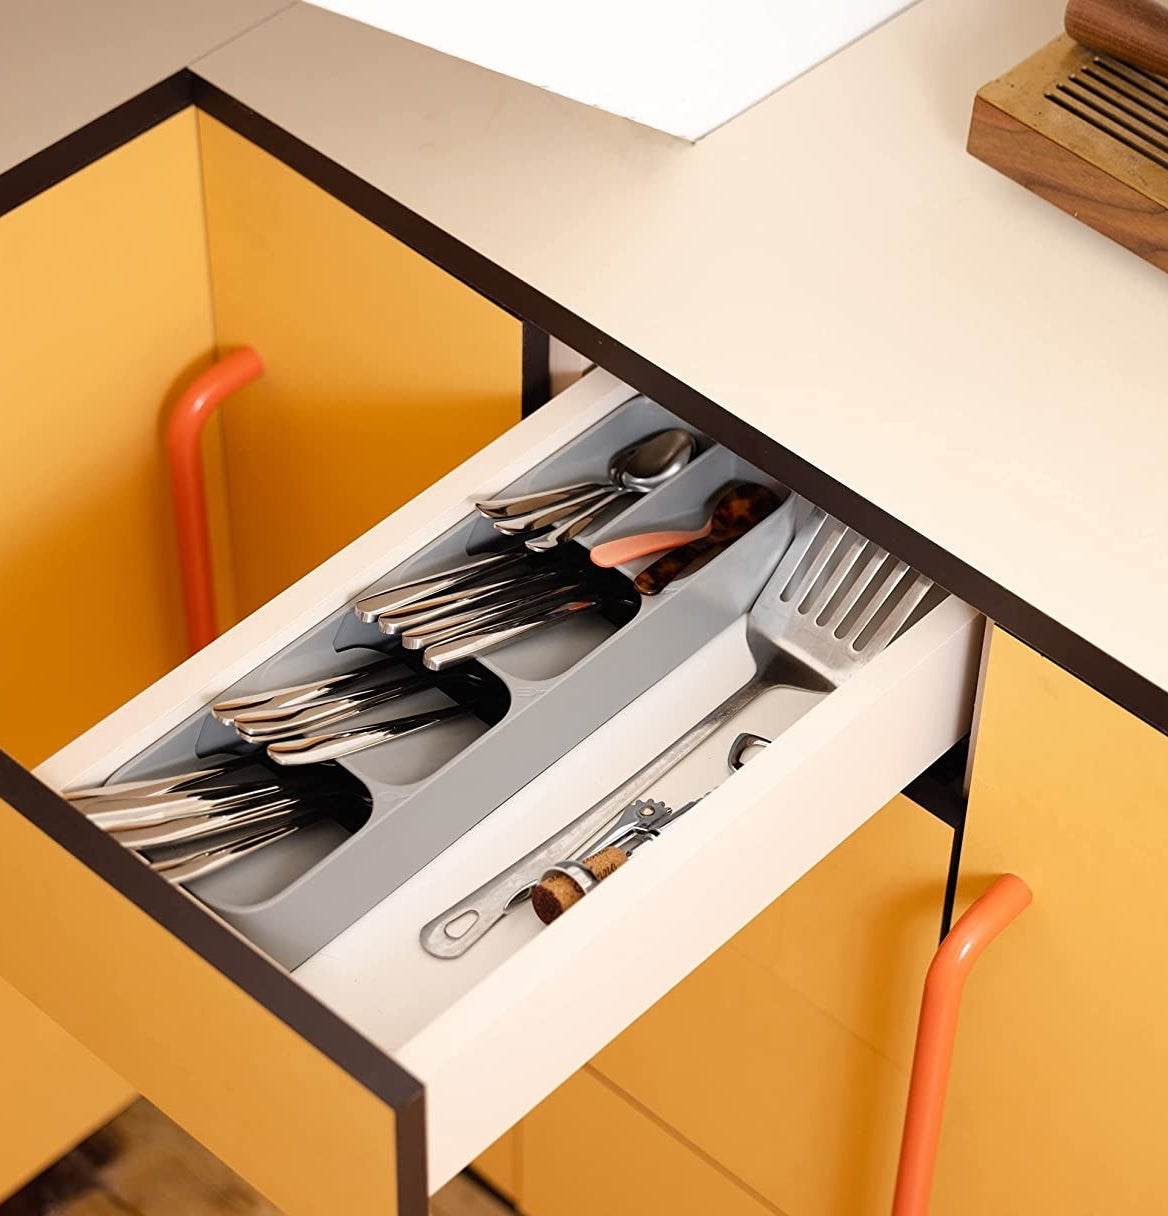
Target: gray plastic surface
(562,683)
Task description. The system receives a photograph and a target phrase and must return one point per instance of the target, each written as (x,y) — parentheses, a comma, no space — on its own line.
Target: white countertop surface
(831,266)
(64,63)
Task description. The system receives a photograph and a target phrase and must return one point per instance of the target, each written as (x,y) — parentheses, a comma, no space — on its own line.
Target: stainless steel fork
(833,602)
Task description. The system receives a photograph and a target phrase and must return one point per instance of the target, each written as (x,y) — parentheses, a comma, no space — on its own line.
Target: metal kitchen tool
(443,655)
(312,718)
(833,602)
(314,749)
(397,597)
(257,704)
(565,883)
(204,827)
(187,866)
(114,816)
(737,509)
(543,517)
(474,620)
(146,788)
(538,500)
(473,596)
(223,776)
(635,469)
(569,881)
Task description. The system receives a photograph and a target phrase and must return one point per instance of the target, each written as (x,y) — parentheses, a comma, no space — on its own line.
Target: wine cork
(556,893)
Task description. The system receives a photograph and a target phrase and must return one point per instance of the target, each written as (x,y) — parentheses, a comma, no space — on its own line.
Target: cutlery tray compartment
(542,695)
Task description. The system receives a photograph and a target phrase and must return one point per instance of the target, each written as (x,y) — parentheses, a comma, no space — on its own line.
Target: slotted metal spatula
(833,602)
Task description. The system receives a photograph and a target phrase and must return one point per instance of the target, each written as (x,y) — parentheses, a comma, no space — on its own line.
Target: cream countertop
(64,63)
(831,266)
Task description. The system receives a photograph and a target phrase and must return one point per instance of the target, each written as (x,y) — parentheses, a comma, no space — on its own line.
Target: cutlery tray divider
(429,789)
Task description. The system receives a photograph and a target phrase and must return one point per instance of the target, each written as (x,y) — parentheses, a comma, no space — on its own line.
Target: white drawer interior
(494,1031)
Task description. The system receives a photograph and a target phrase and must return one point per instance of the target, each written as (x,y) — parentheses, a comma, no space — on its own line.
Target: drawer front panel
(276,1109)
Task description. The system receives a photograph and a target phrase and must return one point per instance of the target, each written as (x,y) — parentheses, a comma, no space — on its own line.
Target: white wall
(684,67)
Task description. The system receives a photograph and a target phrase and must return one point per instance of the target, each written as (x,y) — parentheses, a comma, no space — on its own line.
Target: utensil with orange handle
(738,508)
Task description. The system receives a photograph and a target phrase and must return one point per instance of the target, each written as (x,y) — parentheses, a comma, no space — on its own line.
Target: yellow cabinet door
(592,1151)
(1057,1096)
(784,1058)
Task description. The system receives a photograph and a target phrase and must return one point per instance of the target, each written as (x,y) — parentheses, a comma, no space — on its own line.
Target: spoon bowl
(637,469)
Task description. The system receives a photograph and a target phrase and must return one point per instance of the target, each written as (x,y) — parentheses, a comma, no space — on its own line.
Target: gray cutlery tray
(551,690)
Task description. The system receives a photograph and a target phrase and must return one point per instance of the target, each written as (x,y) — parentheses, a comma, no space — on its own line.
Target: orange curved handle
(985,918)
(184,431)
(629,548)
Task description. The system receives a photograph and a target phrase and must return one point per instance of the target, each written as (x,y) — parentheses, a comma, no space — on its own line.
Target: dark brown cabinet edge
(242,964)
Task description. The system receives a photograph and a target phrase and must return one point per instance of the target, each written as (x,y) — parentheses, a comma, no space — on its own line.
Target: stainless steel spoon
(537,500)
(206,859)
(499,616)
(314,749)
(635,470)
(203,827)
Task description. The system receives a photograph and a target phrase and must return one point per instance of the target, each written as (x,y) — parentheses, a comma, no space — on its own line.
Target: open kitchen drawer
(312,1082)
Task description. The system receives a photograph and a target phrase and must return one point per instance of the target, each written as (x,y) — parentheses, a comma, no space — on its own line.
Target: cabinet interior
(127,279)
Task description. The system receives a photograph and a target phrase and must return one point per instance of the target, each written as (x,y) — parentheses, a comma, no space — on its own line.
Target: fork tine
(852,544)
(908,603)
(863,570)
(796,551)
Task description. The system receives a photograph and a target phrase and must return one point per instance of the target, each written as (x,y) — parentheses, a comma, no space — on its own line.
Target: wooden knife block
(1087,133)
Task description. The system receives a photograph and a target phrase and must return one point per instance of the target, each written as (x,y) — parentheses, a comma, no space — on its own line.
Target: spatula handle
(1135,31)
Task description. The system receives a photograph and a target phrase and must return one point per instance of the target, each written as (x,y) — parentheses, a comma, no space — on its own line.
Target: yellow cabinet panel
(785,1056)
(1057,1097)
(105,306)
(381,371)
(857,933)
(501,1164)
(772,1088)
(54,1093)
(592,1151)
(293,1123)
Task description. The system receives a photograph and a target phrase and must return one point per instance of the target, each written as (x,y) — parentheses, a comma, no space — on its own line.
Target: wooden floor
(141,1164)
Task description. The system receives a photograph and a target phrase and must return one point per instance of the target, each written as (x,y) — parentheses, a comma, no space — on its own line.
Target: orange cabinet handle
(936,1031)
(184,432)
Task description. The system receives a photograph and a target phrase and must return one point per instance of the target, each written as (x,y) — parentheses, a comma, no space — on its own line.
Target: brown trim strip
(226,951)
(94,140)
(537,372)
(242,964)
(1082,659)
